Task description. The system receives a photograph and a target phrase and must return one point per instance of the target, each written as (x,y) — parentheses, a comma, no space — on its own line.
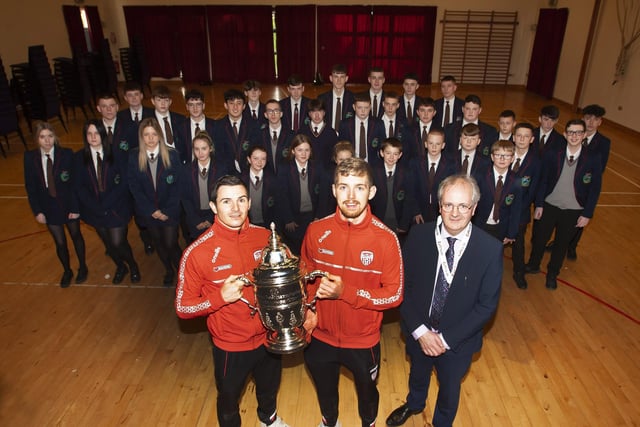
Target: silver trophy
(279,283)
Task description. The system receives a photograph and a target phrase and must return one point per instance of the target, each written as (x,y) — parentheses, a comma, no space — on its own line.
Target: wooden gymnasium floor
(105,355)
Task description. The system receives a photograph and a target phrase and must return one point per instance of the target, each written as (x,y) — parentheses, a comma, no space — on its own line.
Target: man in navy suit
(294,107)
(365,133)
(197,122)
(453,272)
(171,123)
(471,114)
(449,99)
(338,98)
(565,200)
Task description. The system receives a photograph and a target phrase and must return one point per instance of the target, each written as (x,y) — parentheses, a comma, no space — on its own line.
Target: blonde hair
(39,126)
(142,152)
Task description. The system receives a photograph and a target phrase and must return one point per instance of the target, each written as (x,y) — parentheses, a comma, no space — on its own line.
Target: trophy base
(287,340)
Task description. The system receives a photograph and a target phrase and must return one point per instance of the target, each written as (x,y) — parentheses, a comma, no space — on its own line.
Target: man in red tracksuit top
(208,285)
(363,259)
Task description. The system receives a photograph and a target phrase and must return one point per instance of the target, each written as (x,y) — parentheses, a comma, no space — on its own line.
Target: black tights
(165,239)
(117,245)
(60,239)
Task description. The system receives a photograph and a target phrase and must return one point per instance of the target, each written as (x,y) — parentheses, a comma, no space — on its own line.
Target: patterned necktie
(296,118)
(516,165)
(136,119)
(315,131)
(375,106)
(390,128)
(362,145)
(496,199)
(99,172)
(409,112)
(203,172)
(167,130)
(51,182)
(338,114)
(442,287)
(447,114)
(465,164)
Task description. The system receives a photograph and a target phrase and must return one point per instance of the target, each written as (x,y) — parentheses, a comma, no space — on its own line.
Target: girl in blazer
(153,173)
(49,183)
(198,179)
(103,195)
(262,185)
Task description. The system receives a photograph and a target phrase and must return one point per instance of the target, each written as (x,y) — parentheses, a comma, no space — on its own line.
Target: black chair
(8,114)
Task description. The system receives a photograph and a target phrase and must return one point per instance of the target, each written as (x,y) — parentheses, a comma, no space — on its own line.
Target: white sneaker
(277,423)
(322,424)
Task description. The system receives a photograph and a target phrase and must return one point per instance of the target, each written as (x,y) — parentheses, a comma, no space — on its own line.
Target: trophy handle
(247,282)
(314,274)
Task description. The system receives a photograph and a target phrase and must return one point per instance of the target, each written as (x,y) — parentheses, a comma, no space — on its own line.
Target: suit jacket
(510,203)
(125,137)
(529,175)
(375,136)
(190,193)
(402,189)
(600,145)
(555,141)
(263,136)
(417,148)
(182,145)
(474,293)
(260,118)
(234,150)
(403,132)
(110,208)
(456,111)
(321,145)
(131,128)
(402,111)
(587,180)
(479,165)
(187,136)
(56,209)
(269,191)
(287,116)
(166,194)
(347,101)
(425,193)
(288,194)
(380,103)
(488,135)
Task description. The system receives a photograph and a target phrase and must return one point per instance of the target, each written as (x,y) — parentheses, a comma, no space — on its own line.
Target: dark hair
(233,94)
(294,80)
(438,131)
(391,94)
(194,94)
(86,148)
(132,86)
(448,78)
(254,148)
(298,140)
(523,125)
(594,110)
(161,92)
(107,95)
(39,126)
(470,129)
(427,101)
(362,97)
(315,105)
(474,99)
(507,113)
(376,70)
(342,146)
(550,111)
(503,144)
(251,84)
(339,69)
(410,76)
(578,122)
(391,142)
(226,180)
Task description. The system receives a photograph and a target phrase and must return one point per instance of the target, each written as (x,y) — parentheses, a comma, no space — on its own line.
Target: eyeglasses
(462,208)
(502,156)
(575,132)
(273,111)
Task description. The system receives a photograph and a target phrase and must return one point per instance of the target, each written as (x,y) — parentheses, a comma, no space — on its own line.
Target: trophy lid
(277,255)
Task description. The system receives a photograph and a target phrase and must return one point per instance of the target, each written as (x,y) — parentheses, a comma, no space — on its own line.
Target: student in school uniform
(153,173)
(255,109)
(425,123)
(274,137)
(294,107)
(263,187)
(171,123)
(197,181)
(103,194)
(302,193)
(322,136)
(506,125)
(469,160)
(48,180)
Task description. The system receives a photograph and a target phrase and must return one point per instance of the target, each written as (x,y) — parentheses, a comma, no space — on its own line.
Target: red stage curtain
(295,26)
(193,52)
(241,40)
(74,29)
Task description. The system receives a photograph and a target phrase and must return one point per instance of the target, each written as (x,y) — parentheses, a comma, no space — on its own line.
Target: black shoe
(571,254)
(148,248)
(65,281)
(529,269)
(400,415)
(549,246)
(119,276)
(521,282)
(168,279)
(83,272)
(135,275)
(551,282)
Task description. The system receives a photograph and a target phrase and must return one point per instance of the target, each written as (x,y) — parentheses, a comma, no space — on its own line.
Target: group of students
(276,162)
